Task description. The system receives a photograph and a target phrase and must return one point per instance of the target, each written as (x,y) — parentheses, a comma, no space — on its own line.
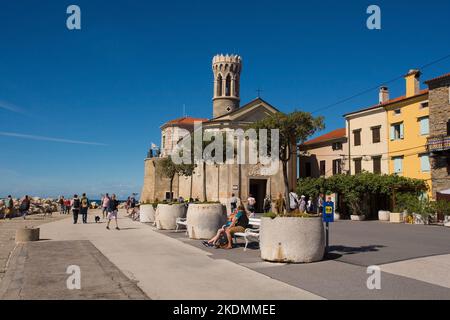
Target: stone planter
(384,215)
(290,239)
(447,221)
(203,220)
(146,213)
(355,217)
(167,214)
(396,217)
(27,234)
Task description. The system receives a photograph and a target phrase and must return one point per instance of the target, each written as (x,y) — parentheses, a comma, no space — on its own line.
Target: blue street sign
(328,211)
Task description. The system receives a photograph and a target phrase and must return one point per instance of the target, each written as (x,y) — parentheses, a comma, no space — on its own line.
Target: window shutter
(401,130)
(397,165)
(424,126)
(425,163)
(392,133)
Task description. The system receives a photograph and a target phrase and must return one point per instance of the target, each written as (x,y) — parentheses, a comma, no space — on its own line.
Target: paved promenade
(140,262)
(165,268)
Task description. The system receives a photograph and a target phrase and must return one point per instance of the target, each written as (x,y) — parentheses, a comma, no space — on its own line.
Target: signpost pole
(328,216)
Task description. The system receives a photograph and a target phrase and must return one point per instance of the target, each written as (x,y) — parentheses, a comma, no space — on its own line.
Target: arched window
(219,86)
(236,86)
(228,86)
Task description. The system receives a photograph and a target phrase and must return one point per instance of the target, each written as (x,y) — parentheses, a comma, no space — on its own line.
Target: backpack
(222,242)
(84,202)
(76,203)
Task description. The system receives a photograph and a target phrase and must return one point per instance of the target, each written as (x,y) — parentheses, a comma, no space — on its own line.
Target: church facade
(219,180)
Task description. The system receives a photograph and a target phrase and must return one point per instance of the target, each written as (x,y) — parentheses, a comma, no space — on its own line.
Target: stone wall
(439,115)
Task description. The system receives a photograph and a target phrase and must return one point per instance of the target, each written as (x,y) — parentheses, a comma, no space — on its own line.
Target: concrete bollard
(27,234)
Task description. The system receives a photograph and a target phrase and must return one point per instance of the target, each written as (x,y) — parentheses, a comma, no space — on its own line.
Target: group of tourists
(78,206)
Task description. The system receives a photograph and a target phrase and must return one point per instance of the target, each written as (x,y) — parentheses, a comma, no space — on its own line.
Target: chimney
(412,82)
(383,96)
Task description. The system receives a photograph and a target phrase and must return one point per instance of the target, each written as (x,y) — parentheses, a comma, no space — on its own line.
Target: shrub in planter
(299,238)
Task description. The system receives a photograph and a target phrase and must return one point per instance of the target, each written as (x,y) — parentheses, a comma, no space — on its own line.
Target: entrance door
(258,190)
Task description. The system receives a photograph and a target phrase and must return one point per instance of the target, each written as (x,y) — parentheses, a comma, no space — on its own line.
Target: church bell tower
(227,72)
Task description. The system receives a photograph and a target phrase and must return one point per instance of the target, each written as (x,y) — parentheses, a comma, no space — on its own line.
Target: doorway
(258,189)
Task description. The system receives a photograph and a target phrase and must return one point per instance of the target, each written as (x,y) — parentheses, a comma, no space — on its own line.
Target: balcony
(438,143)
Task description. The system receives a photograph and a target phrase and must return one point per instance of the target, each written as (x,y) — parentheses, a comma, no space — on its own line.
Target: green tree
(294,128)
(169,169)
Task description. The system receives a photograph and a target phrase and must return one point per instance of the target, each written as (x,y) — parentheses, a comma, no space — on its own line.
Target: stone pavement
(38,271)
(165,268)
(421,274)
(414,261)
(8,232)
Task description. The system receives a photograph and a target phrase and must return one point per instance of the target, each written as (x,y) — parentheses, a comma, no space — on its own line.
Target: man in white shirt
(251,204)
(293,200)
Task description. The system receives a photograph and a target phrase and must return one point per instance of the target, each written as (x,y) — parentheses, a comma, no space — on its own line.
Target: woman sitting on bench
(237,222)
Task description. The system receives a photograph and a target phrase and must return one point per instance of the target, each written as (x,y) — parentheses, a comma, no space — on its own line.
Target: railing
(438,143)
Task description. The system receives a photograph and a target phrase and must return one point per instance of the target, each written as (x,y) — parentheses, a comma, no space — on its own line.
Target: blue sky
(134,64)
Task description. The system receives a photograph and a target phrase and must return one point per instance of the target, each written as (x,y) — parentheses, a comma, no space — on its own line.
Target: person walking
(251,205)
(62,209)
(293,201)
(112,211)
(127,204)
(280,204)
(267,204)
(75,204)
(320,204)
(9,212)
(233,202)
(105,205)
(67,206)
(302,204)
(309,205)
(25,207)
(84,207)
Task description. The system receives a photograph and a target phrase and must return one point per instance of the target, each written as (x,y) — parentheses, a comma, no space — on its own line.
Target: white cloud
(42,138)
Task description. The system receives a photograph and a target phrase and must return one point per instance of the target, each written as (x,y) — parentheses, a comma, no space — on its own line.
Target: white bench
(249,233)
(181,222)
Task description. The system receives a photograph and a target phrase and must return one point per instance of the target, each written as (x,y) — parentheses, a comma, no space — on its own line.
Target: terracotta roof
(439,78)
(332,135)
(184,121)
(391,101)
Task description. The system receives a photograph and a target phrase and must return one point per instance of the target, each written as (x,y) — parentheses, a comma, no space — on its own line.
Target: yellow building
(408,129)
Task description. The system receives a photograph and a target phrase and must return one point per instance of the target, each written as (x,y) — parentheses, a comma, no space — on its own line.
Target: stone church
(222,180)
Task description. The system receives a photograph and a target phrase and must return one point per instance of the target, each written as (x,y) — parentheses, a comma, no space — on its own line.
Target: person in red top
(67,206)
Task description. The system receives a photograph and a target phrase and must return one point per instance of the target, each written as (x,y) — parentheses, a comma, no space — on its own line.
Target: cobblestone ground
(8,232)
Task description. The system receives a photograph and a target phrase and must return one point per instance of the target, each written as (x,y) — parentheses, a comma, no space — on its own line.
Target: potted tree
(291,237)
(167,213)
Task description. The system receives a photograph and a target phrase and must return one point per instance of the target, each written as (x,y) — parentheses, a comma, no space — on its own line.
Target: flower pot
(146,213)
(203,220)
(355,217)
(337,216)
(166,215)
(384,215)
(396,217)
(292,239)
